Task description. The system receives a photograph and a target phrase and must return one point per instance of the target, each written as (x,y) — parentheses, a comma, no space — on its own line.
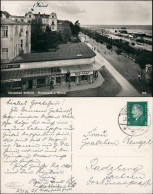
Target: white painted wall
(59,63)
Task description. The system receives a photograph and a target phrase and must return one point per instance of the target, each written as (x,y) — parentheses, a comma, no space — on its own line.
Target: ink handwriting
(36,141)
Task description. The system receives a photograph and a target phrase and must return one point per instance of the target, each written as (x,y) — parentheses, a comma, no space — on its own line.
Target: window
(52,16)
(21,44)
(52,23)
(16,84)
(29,16)
(16,30)
(84,77)
(4,53)
(72,78)
(4,31)
(58,80)
(21,31)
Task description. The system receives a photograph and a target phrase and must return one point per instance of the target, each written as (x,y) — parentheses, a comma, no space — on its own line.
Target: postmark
(126,118)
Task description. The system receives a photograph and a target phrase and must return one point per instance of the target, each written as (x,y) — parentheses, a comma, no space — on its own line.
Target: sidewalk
(45,91)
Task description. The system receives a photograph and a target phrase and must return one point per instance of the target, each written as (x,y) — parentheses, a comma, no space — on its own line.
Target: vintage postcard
(76,145)
(99,53)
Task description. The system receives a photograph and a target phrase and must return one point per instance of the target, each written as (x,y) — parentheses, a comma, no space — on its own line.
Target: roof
(14,16)
(42,15)
(5,13)
(64,52)
(7,21)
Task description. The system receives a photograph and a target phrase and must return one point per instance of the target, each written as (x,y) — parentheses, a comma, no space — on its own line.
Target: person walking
(69,85)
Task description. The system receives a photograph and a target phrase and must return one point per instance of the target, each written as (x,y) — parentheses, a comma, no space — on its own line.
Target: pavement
(127,88)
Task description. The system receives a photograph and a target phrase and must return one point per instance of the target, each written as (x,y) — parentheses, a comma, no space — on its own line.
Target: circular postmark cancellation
(134,119)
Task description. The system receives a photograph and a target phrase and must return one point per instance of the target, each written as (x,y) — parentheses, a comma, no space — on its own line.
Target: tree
(109,46)
(143,58)
(43,40)
(36,34)
(75,28)
(66,34)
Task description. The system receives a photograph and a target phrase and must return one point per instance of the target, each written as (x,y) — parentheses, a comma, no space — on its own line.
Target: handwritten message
(37,141)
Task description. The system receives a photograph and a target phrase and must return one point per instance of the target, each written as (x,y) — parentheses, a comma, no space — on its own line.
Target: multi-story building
(15,38)
(71,63)
(47,19)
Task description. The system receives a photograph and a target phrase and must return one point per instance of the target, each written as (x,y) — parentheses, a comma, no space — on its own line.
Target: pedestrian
(50,85)
(69,85)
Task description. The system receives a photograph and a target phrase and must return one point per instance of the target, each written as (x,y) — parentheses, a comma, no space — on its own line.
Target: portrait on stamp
(137,114)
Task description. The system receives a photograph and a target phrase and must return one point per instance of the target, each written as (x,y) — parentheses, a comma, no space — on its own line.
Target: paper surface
(74,145)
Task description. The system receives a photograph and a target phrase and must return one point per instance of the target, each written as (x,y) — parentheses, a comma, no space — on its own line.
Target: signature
(38,5)
(14,185)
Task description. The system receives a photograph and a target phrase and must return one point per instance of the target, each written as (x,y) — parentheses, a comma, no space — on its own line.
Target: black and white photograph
(76,48)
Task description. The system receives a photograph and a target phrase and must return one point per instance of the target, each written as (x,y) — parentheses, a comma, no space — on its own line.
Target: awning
(10,80)
(8,76)
(81,68)
(17,75)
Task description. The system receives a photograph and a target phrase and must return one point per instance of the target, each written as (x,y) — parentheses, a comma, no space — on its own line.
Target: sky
(88,12)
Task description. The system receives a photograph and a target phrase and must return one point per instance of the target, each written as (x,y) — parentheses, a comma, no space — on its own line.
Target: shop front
(30,79)
(81,77)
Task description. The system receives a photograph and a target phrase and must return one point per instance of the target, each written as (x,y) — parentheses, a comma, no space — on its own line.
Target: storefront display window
(16,84)
(84,77)
(41,82)
(72,78)
(58,80)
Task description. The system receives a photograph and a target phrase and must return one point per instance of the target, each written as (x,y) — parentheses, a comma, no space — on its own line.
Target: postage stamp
(134,119)
(137,114)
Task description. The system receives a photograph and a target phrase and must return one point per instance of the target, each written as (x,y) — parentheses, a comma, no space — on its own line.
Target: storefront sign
(10,66)
(82,73)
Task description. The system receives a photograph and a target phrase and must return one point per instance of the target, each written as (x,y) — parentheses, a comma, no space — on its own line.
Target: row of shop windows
(41,82)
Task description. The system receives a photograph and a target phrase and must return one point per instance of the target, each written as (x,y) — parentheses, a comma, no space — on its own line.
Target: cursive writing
(117,175)
(96,138)
(37,141)
(38,5)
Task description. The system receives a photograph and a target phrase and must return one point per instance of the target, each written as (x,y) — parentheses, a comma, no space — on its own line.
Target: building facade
(47,19)
(72,64)
(15,38)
